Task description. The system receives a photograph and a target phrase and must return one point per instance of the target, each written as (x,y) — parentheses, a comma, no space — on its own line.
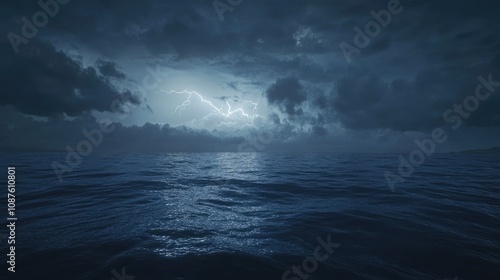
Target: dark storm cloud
(424,61)
(363,100)
(109,69)
(25,134)
(320,131)
(45,82)
(287,94)
(192,28)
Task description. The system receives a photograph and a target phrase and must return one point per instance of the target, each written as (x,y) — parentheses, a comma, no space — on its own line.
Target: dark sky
(289,75)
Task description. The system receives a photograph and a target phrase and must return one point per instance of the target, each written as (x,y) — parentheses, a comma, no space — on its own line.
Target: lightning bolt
(216,110)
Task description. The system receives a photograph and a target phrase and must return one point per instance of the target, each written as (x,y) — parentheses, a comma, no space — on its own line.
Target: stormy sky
(301,76)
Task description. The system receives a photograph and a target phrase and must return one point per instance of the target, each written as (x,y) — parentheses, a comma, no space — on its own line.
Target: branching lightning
(228,112)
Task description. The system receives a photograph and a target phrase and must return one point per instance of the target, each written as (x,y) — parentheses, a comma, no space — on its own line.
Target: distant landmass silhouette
(494,150)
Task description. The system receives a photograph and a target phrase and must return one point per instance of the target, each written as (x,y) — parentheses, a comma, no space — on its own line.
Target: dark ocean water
(254,216)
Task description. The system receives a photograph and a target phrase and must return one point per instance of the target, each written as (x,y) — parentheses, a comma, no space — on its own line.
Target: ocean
(254,216)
